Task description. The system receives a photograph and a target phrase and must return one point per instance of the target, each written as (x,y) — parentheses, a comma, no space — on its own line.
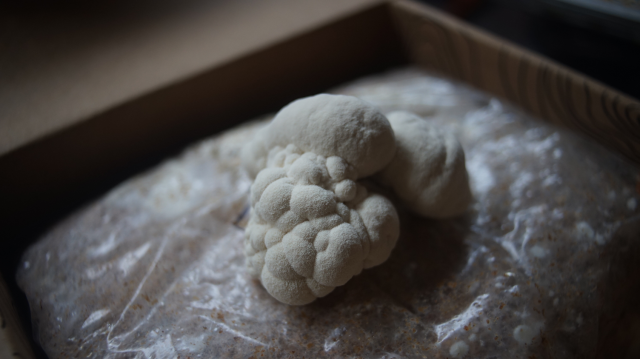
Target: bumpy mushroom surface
(328,125)
(428,171)
(313,226)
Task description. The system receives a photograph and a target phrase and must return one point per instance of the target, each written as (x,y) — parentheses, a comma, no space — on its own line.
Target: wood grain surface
(538,85)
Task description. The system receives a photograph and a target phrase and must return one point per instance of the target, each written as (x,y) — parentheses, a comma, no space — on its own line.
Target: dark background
(604,48)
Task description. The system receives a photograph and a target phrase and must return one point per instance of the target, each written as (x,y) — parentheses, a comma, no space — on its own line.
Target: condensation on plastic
(155,269)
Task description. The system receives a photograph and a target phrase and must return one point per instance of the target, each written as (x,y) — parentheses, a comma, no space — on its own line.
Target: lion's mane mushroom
(428,172)
(313,226)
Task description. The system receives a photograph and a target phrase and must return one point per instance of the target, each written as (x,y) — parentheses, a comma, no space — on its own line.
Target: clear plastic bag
(155,269)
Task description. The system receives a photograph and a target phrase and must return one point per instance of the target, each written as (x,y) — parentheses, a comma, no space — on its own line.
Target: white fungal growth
(310,232)
(584,231)
(328,125)
(524,334)
(459,349)
(472,337)
(428,171)
(538,251)
(313,226)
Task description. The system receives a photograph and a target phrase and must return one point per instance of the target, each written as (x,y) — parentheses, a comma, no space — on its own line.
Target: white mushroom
(313,226)
(428,171)
(327,125)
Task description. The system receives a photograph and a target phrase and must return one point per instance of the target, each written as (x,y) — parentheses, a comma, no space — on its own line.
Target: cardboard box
(50,165)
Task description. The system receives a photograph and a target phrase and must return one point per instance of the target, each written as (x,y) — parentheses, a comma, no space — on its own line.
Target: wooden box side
(442,44)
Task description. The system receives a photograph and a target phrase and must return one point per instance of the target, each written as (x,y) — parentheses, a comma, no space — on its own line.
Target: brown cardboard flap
(63,65)
(155,125)
(542,87)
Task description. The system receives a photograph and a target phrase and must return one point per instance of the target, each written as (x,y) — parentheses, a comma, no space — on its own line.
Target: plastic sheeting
(155,269)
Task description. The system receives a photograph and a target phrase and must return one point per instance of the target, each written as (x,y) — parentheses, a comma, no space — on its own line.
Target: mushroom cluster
(313,226)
